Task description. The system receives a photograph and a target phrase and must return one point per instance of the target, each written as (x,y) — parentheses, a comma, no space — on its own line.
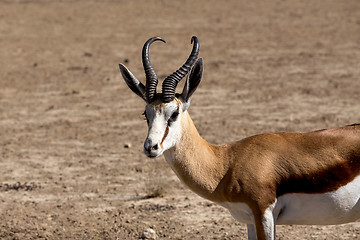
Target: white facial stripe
(167,127)
(156,126)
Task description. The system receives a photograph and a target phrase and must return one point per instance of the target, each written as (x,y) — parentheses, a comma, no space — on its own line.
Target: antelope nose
(149,146)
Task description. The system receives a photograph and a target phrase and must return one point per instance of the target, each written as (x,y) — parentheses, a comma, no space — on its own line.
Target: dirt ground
(71,132)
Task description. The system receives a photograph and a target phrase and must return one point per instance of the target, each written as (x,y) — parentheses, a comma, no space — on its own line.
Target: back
(326,160)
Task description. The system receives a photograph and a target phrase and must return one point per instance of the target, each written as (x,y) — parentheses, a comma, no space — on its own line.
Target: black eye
(173,117)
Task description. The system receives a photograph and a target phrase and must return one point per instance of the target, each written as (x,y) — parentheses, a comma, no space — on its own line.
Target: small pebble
(149,234)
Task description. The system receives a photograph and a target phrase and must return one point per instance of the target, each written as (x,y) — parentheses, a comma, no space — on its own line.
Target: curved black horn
(151,77)
(170,82)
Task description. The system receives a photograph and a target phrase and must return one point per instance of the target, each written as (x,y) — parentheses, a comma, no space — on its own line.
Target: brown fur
(258,169)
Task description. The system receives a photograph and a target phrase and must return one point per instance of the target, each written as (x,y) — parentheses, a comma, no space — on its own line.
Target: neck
(199,164)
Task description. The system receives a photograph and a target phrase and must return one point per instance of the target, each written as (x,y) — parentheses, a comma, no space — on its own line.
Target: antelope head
(165,110)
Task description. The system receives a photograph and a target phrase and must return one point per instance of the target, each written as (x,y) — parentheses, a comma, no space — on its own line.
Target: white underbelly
(337,207)
(240,211)
(340,206)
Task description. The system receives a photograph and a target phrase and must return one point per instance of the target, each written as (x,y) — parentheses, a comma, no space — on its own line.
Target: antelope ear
(192,82)
(135,85)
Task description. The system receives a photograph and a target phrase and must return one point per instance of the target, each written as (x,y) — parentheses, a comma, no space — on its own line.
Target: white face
(164,127)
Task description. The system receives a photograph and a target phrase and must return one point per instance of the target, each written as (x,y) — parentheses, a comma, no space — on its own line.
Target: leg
(251,232)
(269,225)
(265,225)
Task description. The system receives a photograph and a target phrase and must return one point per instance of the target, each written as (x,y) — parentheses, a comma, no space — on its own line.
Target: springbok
(267,179)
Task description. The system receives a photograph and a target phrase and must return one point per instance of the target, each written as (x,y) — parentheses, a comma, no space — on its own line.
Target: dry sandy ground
(71,132)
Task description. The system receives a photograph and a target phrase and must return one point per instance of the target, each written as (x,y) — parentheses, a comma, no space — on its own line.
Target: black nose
(149,146)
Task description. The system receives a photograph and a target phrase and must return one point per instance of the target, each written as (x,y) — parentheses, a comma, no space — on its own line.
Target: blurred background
(71,132)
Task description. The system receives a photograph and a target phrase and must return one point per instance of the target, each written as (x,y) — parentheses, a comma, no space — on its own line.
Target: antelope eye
(173,117)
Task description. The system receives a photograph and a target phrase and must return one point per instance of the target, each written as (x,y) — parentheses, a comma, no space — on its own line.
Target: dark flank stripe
(344,167)
(267,166)
(326,180)
(354,125)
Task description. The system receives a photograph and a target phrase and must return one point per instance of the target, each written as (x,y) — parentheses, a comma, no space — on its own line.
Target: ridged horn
(170,82)
(151,77)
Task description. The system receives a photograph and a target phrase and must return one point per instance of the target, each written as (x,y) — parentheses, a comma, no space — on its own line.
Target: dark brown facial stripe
(327,180)
(165,135)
